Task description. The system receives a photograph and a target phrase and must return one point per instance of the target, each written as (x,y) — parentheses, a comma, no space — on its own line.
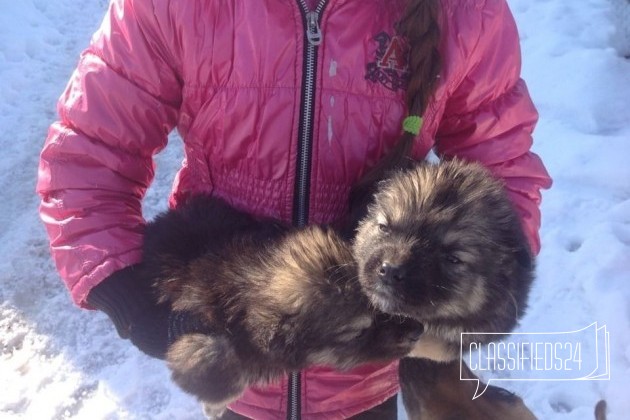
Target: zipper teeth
(307,122)
(304,168)
(307,119)
(294,414)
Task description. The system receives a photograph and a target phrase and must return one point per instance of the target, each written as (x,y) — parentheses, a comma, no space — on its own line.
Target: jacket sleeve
(489,116)
(97,161)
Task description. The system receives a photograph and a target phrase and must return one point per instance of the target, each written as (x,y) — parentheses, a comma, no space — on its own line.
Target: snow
(57,361)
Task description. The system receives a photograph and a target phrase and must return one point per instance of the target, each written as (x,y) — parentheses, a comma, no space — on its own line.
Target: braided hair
(419,24)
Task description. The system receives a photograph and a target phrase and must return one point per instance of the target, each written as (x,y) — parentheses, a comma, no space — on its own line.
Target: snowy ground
(57,361)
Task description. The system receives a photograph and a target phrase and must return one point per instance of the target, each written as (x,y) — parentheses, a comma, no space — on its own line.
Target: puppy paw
(213,411)
(207,367)
(433,348)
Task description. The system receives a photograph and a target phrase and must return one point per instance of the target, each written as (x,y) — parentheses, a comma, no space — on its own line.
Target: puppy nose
(390,273)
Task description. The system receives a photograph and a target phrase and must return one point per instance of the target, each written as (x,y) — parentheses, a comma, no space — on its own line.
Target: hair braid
(420,26)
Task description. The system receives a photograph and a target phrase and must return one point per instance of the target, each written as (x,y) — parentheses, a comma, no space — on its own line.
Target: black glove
(130,302)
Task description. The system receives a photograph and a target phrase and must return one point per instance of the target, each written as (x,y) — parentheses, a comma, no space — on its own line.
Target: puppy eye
(452,259)
(383,227)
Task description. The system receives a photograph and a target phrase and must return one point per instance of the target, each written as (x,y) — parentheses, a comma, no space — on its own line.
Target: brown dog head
(442,242)
(325,318)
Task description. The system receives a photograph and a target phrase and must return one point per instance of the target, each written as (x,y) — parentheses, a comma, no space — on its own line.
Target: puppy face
(442,242)
(312,309)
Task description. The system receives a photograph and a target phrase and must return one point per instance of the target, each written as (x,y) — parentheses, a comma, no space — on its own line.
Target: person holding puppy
(282,106)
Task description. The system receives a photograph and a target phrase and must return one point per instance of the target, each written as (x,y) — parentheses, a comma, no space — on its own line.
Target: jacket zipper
(305,133)
(305,140)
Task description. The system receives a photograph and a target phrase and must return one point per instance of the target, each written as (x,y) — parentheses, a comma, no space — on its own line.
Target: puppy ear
(525,265)
(524,257)
(207,367)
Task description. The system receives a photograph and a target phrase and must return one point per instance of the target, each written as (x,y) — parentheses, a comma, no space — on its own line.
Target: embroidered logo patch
(391,66)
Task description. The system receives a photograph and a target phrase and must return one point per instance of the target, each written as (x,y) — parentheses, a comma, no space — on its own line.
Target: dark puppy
(442,244)
(276,300)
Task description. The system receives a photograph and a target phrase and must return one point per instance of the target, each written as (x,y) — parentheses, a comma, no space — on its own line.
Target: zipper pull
(313,33)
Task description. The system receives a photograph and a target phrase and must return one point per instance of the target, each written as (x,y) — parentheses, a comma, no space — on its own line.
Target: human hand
(129,300)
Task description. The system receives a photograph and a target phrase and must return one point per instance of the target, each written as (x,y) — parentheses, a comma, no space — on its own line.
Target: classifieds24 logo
(580,355)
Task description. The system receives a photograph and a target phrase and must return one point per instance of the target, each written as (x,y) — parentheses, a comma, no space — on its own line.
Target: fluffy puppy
(275,300)
(441,243)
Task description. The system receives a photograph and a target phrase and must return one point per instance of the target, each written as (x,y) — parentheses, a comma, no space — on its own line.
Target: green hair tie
(412,124)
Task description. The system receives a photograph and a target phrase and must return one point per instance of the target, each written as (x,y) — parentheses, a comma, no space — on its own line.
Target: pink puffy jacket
(281,111)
